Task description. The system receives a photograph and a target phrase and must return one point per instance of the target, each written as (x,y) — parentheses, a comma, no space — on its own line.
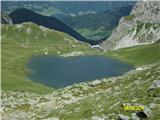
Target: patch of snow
(58,52)
(46,53)
(94,46)
(140,68)
(99,117)
(72,15)
(53,118)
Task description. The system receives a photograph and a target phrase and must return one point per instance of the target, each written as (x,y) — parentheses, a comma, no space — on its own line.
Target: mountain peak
(142,26)
(148,11)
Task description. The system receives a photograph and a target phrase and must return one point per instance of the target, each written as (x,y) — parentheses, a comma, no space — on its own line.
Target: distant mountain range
(61,9)
(89,21)
(99,25)
(24,15)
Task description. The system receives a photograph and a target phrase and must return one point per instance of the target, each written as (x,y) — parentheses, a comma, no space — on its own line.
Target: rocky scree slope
(142,26)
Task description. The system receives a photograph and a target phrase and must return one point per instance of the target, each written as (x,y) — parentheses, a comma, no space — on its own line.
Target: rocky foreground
(97,100)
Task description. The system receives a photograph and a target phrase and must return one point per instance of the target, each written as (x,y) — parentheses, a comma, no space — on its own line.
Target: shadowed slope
(25,15)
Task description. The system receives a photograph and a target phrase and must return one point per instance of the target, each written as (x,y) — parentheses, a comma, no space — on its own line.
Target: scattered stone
(19,26)
(28,30)
(137,82)
(148,73)
(46,53)
(123,117)
(53,118)
(94,83)
(44,28)
(73,46)
(152,105)
(99,117)
(58,52)
(134,117)
(154,89)
(140,68)
(155,84)
(72,54)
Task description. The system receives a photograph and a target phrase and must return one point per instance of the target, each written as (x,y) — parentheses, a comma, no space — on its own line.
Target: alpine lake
(59,72)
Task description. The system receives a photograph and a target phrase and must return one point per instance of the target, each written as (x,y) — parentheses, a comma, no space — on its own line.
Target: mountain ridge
(24,15)
(62,9)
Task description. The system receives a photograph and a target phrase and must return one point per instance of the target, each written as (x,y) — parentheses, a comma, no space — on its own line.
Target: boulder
(123,117)
(154,89)
(134,117)
(152,105)
(155,84)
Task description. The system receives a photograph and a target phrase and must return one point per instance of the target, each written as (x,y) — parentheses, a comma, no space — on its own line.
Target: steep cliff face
(142,26)
(5,19)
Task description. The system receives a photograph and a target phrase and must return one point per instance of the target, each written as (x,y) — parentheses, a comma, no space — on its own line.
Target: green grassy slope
(21,42)
(140,55)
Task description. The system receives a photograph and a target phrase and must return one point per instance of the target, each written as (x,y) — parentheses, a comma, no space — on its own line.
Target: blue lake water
(58,72)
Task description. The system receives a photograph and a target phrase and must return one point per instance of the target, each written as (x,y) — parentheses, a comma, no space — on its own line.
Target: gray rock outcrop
(142,26)
(5,19)
(123,117)
(154,89)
